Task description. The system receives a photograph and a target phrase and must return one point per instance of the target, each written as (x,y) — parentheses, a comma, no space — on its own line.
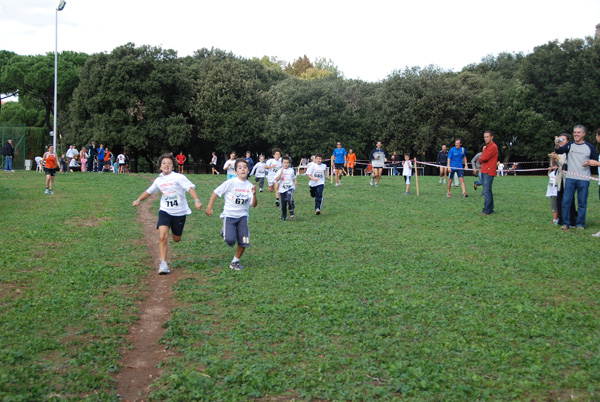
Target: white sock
(235,259)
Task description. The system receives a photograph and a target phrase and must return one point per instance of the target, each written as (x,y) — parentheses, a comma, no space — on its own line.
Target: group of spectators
(91,159)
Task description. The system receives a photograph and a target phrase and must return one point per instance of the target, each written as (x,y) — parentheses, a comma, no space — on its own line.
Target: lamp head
(61,5)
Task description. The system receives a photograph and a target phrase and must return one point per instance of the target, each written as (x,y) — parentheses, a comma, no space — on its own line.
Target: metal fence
(16,133)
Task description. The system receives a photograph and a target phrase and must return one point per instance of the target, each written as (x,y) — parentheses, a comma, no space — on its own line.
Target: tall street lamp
(60,7)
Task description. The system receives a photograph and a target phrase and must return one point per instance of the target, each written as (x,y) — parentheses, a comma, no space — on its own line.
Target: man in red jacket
(488,160)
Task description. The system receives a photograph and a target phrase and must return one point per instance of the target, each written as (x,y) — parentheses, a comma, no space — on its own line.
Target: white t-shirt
(173,188)
(407,168)
(286,181)
(275,166)
(121,159)
(71,152)
(552,189)
(318,172)
(229,166)
(238,197)
(259,170)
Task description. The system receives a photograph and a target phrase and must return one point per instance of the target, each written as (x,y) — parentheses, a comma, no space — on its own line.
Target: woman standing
(50,164)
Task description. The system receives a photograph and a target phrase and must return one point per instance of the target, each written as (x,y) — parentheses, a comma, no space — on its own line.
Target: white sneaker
(371,181)
(440,180)
(375,184)
(163,268)
(596,234)
(260,191)
(47,191)
(337,184)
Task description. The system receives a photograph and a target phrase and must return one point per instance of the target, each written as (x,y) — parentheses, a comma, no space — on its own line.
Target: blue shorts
(459,172)
(175,223)
(236,229)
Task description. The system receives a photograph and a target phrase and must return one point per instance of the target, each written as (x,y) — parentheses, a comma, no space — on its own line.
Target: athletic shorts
(459,172)
(339,166)
(50,171)
(236,229)
(175,223)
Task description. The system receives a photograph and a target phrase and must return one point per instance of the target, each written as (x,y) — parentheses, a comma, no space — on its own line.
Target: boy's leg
(319,196)
(284,205)
(163,238)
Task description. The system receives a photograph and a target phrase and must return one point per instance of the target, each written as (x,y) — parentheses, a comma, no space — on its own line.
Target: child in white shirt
(407,172)
(173,205)
(272,167)
(239,194)
(259,172)
(229,166)
(286,177)
(317,173)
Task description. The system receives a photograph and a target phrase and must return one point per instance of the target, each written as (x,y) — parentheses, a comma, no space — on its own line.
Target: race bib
(286,186)
(241,199)
(170,201)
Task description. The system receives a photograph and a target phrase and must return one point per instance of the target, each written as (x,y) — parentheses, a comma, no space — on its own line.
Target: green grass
(383,296)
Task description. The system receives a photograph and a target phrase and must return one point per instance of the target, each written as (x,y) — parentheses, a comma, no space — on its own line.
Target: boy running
(173,205)
(273,166)
(259,172)
(229,166)
(239,194)
(317,173)
(286,177)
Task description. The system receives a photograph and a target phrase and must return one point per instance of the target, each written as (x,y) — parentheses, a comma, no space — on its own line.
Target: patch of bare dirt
(139,365)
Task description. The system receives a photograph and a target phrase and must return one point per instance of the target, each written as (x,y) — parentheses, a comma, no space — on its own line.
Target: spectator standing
(83,156)
(579,153)
(477,168)
(71,153)
(395,161)
(442,160)
(92,156)
(351,161)
(180,161)
(9,154)
(100,155)
(488,159)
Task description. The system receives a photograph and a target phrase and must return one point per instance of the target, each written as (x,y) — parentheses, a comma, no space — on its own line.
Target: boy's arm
(140,199)
(254,199)
(211,201)
(278,175)
(197,202)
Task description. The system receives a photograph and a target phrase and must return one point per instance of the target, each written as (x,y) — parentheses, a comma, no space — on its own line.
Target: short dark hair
(489,131)
(277,150)
(238,161)
(319,156)
(287,158)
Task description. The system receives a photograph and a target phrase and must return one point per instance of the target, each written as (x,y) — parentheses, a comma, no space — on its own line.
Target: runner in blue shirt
(339,159)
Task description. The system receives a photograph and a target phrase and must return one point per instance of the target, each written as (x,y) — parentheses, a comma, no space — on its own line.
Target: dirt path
(139,365)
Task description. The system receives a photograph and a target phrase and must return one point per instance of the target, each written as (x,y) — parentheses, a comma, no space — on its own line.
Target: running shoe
(236,266)
(163,268)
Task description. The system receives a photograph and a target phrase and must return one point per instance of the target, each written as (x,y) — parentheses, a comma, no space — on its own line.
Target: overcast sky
(366,40)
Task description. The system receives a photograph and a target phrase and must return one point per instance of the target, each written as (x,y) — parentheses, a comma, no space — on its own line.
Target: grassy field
(383,296)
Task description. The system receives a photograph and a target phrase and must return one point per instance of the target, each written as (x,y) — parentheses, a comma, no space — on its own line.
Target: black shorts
(50,171)
(339,166)
(175,223)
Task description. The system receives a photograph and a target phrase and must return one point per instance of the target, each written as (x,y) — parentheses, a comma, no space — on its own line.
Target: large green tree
(33,76)
(135,98)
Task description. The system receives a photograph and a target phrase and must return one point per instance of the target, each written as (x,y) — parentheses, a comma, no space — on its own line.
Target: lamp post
(60,7)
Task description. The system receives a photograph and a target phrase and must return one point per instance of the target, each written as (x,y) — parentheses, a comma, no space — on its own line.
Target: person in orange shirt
(107,156)
(50,164)
(351,160)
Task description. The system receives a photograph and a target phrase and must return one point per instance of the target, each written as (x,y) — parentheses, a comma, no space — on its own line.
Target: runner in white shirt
(286,177)
(317,173)
(273,166)
(229,166)
(259,172)
(173,205)
(239,194)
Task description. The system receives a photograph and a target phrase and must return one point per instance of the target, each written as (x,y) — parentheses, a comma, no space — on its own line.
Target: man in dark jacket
(9,153)
(92,154)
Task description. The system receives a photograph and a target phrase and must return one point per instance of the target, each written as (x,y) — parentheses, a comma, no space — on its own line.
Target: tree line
(147,100)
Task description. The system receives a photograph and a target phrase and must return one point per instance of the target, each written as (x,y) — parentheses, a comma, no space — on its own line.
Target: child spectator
(229,166)
(552,191)
(286,177)
(317,173)
(407,172)
(173,205)
(259,172)
(249,159)
(63,164)
(239,194)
